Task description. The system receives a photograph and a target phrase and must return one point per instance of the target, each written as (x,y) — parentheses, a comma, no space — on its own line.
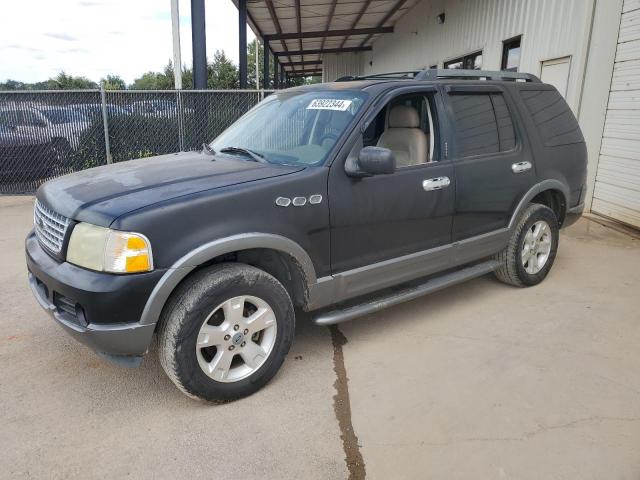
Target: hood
(102,194)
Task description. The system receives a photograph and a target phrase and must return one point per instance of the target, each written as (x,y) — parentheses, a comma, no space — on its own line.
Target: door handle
(435,183)
(521,167)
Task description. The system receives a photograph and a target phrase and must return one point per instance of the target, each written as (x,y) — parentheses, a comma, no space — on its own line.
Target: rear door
(491,159)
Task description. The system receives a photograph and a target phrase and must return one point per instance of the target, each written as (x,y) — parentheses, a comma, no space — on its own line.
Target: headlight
(106,250)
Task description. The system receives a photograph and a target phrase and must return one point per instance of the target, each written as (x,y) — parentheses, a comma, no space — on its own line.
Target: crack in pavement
(342,409)
(521,438)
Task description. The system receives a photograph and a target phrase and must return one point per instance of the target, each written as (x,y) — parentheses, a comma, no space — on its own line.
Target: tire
(203,331)
(521,264)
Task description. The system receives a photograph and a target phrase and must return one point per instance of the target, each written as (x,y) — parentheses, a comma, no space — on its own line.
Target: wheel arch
(555,200)
(552,193)
(277,255)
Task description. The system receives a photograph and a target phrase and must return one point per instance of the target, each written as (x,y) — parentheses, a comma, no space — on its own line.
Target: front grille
(51,227)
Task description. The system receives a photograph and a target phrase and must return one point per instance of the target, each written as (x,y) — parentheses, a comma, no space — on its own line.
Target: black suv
(339,199)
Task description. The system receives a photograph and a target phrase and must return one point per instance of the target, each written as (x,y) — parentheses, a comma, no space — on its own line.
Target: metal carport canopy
(299,32)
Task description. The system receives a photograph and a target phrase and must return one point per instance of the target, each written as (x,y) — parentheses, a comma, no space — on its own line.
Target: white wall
(597,81)
(549,28)
(338,65)
(616,192)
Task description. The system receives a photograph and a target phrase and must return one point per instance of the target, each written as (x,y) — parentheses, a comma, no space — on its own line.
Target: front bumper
(100,310)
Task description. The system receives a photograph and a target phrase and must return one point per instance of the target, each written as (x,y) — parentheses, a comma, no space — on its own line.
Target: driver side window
(406,127)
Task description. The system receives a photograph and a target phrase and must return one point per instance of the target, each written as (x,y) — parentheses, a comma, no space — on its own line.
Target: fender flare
(189,262)
(550,184)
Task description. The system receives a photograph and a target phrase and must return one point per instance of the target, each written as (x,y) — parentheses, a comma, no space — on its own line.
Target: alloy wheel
(236,338)
(536,247)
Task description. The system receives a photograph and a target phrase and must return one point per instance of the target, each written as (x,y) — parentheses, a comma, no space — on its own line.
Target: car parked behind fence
(51,133)
(25,146)
(65,124)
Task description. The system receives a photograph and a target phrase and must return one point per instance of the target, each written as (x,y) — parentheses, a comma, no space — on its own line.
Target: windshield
(293,128)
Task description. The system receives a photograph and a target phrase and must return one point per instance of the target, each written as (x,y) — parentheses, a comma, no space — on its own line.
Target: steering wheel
(328,136)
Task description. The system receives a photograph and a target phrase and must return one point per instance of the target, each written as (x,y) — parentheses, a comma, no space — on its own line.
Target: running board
(430,286)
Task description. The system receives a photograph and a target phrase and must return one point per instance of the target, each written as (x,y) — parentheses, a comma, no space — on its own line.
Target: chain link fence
(48,134)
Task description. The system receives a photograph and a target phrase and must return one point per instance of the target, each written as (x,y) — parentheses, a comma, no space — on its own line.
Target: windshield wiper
(255,156)
(207,148)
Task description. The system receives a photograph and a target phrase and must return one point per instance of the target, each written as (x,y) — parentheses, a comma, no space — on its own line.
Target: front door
(381,225)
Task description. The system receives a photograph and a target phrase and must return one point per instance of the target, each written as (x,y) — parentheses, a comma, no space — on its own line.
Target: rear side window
(506,134)
(553,117)
(482,124)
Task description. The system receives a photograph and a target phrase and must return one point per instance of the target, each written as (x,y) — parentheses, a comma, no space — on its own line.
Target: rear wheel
(532,248)
(225,332)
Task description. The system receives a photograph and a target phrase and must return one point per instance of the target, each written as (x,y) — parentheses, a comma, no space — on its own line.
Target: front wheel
(225,332)
(529,256)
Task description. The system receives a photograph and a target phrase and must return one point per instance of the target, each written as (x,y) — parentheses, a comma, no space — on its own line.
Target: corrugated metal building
(588,49)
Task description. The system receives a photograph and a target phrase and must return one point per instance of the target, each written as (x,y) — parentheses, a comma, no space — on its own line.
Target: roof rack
(411,74)
(435,74)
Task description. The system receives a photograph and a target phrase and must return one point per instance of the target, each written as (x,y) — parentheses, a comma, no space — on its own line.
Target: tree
(297,81)
(113,82)
(162,80)
(12,85)
(155,80)
(251,66)
(165,79)
(222,72)
(313,80)
(148,81)
(187,77)
(62,81)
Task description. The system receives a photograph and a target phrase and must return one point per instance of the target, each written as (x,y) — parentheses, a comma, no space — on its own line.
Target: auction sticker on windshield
(329,104)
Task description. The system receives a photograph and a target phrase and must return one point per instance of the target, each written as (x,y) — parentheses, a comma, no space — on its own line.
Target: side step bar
(430,286)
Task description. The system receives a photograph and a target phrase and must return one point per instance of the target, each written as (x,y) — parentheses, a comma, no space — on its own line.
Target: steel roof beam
(306,62)
(386,18)
(276,23)
(292,53)
(355,22)
(330,33)
(299,22)
(332,10)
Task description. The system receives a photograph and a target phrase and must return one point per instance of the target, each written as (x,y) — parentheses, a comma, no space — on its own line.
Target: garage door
(617,188)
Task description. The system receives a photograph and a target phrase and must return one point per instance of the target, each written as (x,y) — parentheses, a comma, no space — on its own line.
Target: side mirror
(376,161)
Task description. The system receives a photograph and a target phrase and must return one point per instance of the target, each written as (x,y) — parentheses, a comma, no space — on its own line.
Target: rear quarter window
(553,118)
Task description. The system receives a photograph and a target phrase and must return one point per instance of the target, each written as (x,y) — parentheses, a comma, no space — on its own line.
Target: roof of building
(300,31)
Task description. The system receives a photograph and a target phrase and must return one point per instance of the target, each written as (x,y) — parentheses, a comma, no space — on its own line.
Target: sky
(94,38)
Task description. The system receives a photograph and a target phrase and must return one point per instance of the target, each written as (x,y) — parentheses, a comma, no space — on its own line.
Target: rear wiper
(255,156)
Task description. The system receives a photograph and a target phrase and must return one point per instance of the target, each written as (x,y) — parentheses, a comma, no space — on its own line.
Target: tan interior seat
(404,137)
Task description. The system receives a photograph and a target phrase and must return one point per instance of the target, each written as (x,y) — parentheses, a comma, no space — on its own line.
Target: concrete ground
(478,381)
